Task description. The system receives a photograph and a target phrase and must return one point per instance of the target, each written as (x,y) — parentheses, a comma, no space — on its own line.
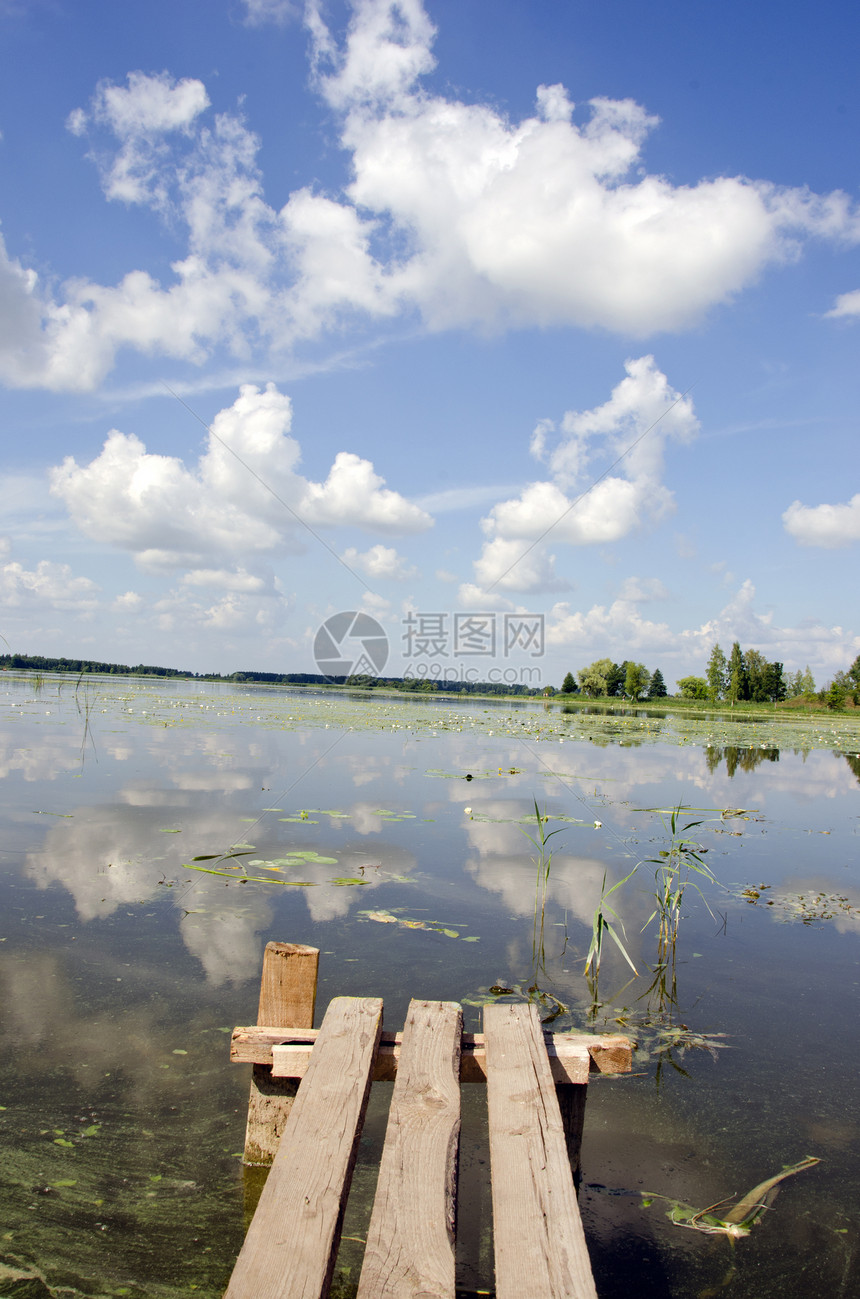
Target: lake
(157,834)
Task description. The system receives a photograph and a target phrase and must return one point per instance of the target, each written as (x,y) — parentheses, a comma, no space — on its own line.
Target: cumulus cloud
(172,516)
(380,562)
(453,211)
(828,526)
(846,306)
(620,630)
(48,586)
(606,468)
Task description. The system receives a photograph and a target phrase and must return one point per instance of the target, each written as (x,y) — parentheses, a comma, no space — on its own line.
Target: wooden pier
(309,1093)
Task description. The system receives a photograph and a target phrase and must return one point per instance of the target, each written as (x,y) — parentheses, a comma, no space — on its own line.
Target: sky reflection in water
(121,968)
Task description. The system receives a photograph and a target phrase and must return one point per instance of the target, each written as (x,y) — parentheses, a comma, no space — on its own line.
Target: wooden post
(571,1102)
(288,989)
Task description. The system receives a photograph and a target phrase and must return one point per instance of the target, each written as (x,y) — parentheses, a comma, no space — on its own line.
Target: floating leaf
(347,880)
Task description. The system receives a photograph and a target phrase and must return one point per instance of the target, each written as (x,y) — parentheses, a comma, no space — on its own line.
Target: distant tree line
(421,685)
(46,664)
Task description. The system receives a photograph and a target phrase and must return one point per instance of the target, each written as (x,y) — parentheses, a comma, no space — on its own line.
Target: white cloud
(641,590)
(172,516)
(129,602)
(224,579)
(48,586)
(601,628)
(846,305)
(453,211)
(543,221)
(380,562)
(829,526)
(619,631)
(270,11)
(618,447)
(471,596)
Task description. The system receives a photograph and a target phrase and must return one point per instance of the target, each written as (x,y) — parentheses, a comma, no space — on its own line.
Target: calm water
(122,971)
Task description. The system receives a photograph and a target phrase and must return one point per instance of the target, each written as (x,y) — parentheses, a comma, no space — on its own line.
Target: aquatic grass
(674,867)
(602,925)
(543,862)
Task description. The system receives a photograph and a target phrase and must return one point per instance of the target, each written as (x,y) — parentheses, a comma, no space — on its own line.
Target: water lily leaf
(346,879)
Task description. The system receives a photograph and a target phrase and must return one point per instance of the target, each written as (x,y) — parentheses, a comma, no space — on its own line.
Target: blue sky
(491,307)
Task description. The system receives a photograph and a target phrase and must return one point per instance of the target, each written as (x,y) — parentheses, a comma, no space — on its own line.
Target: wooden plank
(539,1244)
(289,1251)
(572,1055)
(287,995)
(410,1244)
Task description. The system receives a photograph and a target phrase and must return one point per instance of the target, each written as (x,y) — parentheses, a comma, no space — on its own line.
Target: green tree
(657,689)
(807,682)
(615,679)
(717,674)
(775,685)
(568,685)
(636,680)
(854,673)
(738,687)
(693,688)
(593,679)
(756,666)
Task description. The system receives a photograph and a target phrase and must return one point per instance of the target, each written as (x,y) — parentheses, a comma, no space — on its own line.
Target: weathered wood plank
(287,995)
(539,1244)
(289,1251)
(571,1055)
(410,1243)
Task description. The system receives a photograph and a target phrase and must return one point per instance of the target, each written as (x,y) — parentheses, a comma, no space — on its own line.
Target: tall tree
(738,687)
(615,679)
(756,666)
(717,674)
(568,685)
(774,681)
(807,682)
(657,689)
(636,680)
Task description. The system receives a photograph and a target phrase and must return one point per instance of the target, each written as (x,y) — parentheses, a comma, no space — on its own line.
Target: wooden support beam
(572,1056)
(540,1249)
(287,996)
(291,1245)
(410,1243)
